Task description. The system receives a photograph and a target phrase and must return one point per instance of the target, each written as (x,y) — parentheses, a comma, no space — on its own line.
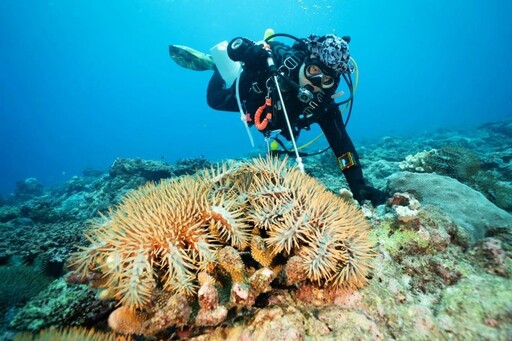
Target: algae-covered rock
(28,188)
(478,307)
(489,254)
(347,324)
(8,213)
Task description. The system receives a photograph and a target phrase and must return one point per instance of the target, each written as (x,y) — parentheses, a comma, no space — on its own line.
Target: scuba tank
(228,69)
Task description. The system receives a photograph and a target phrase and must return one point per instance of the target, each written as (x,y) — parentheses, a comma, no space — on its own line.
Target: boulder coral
(462,204)
(220,238)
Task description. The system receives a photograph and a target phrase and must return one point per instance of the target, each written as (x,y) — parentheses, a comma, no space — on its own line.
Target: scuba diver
(283,89)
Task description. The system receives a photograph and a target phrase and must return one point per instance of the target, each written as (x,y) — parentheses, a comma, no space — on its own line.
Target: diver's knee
(213,101)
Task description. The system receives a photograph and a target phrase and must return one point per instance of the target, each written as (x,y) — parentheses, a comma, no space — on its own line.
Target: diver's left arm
(348,160)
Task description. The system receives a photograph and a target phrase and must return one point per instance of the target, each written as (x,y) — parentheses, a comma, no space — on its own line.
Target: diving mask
(316,74)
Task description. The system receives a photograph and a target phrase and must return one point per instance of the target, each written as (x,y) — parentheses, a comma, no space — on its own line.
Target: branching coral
(166,237)
(456,162)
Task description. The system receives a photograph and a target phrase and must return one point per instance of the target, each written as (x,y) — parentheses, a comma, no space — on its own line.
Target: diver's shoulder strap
(287,58)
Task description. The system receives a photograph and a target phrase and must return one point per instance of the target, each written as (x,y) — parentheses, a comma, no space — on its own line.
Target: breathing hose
(272,67)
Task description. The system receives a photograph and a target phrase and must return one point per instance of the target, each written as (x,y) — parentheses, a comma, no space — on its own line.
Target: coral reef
(503,128)
(28,189)
(147,169)
(61,304)
(497,191)
(36,224)
(430,279)
(426,285)
(159,239)
(24,283)
(25,239)
(19,284)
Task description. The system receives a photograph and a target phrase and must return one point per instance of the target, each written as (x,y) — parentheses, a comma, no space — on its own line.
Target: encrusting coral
(188,239)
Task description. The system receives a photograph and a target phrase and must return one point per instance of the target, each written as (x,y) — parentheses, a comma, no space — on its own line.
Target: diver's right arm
(253,55)
(254,59)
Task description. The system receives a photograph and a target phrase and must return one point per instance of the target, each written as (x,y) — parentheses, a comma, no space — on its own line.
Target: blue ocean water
(85,81)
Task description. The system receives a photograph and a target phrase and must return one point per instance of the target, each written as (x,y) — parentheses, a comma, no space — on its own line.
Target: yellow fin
(268,32)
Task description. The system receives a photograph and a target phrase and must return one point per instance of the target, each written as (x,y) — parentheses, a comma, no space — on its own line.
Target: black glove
(365,192)
(360,190)
(244,50)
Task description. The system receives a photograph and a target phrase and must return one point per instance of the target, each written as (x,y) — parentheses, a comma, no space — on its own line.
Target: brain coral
(233,219)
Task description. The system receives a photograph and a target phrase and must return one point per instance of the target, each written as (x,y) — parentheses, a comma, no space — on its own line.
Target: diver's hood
(331,50)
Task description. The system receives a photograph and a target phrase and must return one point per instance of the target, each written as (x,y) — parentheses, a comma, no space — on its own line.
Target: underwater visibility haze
(83,82)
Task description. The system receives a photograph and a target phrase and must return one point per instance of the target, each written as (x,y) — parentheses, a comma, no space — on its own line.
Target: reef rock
(462,204)
(148,169)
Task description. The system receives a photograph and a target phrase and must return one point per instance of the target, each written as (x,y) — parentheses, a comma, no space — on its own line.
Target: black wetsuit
(330,121)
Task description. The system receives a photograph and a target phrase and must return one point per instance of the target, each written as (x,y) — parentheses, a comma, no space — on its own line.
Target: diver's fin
(268,33)
(191,59)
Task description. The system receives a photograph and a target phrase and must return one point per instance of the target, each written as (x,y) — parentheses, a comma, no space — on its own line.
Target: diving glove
(365,192)
(360,190)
